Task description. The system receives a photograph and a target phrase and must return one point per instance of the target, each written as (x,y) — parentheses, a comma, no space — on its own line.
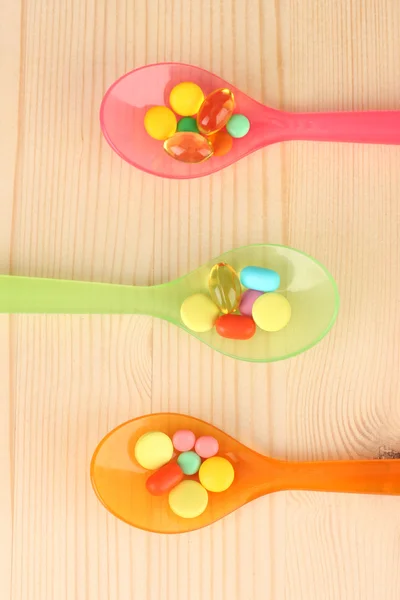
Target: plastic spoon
(308,286)
(127,100)
(119,481)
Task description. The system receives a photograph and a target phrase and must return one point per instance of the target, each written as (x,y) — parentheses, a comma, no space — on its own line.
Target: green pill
(238,126)
(188,124)
(189,462)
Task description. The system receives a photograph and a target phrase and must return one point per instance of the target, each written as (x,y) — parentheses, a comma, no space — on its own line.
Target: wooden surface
(71,208)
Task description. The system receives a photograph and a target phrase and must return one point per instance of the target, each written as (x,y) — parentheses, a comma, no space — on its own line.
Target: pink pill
(183,440)
(247,301)
(206,446)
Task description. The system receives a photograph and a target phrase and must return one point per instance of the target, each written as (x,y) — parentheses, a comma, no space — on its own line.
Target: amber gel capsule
(188,147)
(215,111)
(224,286)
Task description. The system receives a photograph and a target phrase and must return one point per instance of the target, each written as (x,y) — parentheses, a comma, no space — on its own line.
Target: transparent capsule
(188,147)
(224,286)
(215,111)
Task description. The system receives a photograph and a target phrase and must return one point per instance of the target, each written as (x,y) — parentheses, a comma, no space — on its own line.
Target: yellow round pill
(188,499)
(199,313)
(216,474)
(160,122)
(271,312)
(186,98)
(153,450)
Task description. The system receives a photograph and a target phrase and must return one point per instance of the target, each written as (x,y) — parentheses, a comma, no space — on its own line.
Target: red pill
(235,327)
(163,480)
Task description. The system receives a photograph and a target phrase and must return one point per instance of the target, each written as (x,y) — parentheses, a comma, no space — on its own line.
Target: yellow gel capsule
(215,111)
(153,450)
(224,286)
(216,474)
(199,313)
(186,98)
(188,147)
(271,312)
(188,499)
(160,122)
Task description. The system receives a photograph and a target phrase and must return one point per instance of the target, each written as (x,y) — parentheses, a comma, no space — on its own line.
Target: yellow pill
(153,450)
(160,122)
(216,474)
(188,499)
(186,98)
(271,312)
(199,313)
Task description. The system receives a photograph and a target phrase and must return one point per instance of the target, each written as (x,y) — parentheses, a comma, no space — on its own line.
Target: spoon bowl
(308,286)
(120,482)
(127,100)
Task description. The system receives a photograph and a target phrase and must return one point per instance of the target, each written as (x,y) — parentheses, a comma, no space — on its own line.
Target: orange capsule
(163,480)
(188,147)
(235,327)
(215,111)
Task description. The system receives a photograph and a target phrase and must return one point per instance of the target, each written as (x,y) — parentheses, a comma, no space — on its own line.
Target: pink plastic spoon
(127,100)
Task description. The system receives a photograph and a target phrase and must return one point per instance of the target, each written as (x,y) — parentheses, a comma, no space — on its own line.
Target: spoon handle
(352,476)
(39,296)
(368,127)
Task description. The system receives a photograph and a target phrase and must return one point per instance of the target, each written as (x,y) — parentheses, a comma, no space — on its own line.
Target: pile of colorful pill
(184,455)
(205,126)
(258,304)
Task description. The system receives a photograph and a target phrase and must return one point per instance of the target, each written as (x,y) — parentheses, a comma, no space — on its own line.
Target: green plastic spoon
(309,287)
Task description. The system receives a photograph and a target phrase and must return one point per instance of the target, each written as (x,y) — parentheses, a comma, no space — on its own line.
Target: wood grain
(71,208)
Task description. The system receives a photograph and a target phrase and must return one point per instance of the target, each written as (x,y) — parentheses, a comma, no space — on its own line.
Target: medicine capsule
(235,327)
(215,111)
(188,147)
(163,480)
(224,287)
(260,279)
(247,301)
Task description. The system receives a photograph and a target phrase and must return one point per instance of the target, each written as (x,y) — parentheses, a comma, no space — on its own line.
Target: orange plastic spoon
(119,481)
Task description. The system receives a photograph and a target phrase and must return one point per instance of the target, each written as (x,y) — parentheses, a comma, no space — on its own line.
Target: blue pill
(260,279)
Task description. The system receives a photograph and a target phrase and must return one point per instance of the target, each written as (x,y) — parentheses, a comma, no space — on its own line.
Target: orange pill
(163,480)
(215,111)
(235,327)
(188,147)
(221,142)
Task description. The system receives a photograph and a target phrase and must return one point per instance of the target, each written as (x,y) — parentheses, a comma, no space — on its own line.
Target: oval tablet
(260,279)
(247,301)
(162,481)
(199,313)
(272,312)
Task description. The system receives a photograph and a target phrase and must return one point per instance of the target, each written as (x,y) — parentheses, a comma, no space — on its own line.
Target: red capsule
(163,480)
(235,327)
(215,111)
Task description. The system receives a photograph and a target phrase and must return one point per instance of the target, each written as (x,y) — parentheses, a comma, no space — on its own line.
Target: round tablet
(216,474)
(160,122)
(153,450)
(186,98)
(189,462)
(271,312)
(238,126)
(188,499)
(183,440)
(206,446)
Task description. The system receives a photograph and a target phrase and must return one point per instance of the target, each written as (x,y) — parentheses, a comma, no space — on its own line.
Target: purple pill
(247,301)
